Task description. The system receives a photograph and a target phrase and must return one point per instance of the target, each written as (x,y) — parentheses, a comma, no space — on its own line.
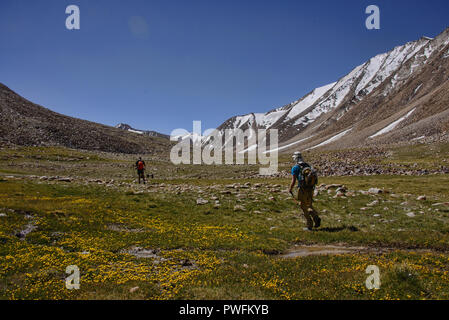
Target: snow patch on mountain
(308,100)
(289,145)
(332,139)
(135,131)
(393,125)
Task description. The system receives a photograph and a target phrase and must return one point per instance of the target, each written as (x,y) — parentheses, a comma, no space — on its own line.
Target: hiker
(140,166)
(307,180)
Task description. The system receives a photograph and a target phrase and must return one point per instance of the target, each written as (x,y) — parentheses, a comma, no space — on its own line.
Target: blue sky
(159,65)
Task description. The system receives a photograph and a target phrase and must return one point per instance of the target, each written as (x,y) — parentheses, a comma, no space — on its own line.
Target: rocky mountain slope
(149,133)
(25,123)
(398,96)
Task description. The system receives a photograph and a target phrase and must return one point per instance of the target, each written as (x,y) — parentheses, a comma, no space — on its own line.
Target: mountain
(127,127)
(398,96)
(25,123)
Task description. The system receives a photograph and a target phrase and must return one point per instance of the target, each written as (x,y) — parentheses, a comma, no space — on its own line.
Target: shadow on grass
(339,229)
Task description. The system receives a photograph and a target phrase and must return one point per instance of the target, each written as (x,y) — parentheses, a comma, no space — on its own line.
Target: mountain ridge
(25,123)
(382,77)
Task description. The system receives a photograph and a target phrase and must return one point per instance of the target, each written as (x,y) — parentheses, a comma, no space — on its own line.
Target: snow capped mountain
(127,127)
(335,111)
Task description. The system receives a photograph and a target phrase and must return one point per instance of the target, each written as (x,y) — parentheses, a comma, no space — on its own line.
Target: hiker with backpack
(307,179)
(140,166)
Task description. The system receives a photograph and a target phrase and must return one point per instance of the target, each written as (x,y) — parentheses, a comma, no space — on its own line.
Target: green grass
(231,254)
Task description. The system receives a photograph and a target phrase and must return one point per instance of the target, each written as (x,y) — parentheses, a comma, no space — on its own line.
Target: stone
(372,204)
(134,289)
(421,198)
(201,201)
(341,189)
(239,208)
(375,191)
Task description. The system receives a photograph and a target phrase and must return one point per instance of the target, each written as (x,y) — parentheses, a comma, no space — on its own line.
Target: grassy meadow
(198,232)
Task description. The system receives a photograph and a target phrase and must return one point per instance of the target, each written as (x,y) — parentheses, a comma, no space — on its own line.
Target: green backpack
(309,178)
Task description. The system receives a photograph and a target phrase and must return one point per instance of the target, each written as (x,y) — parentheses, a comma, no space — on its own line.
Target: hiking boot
(317,222)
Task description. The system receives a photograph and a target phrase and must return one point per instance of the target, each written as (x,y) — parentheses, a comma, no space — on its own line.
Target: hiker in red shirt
(140,166)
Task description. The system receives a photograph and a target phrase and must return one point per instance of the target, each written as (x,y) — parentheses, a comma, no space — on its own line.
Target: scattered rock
(239,208)
(440,204)
(201,201)
(372,204)
(134,289)
(123,228)
(375,191)
(339,194)
(421,198)
(410,214)
(28,229)
(341,189)
(145,253)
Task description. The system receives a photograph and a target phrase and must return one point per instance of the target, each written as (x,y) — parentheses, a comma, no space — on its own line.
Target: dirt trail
(320,250)
(316,250)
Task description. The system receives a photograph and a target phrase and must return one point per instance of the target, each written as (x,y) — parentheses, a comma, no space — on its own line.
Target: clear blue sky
(160,65)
